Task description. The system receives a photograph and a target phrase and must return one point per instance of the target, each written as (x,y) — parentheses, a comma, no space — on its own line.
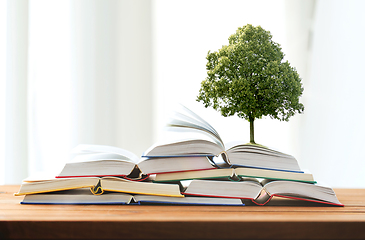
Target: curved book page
(55,184)
(97,168)
(187,147)
(175,164)
(81,196)
(224,189)
(248,155)
(92,149)
(305,191)
(189,121)
(90,157)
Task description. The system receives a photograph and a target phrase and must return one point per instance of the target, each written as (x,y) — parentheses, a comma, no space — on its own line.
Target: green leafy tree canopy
(249,78)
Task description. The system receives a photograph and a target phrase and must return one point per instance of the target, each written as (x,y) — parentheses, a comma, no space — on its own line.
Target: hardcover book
(261,192)
(99,185)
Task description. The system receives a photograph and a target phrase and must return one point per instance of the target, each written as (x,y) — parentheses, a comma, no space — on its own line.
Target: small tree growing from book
(249,78)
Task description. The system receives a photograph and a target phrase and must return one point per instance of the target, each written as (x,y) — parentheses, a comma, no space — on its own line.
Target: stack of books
(185,170)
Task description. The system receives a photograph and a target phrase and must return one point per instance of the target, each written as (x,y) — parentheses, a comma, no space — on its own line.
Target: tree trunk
(252,138)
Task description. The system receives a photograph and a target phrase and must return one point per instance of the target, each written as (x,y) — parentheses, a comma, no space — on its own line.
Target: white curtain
(108,72)
(15,145)
(332,130)
(76,72)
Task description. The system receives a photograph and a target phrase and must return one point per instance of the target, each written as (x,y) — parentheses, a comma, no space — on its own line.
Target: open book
(84,196)
(262,192)
(101,160)
(199,138)
(98,186)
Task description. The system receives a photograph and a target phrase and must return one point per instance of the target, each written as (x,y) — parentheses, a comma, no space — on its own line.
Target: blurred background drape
(108,72)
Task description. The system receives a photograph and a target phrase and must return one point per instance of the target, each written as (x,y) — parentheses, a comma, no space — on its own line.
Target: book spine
(262,203)
(137,180)
(97,189)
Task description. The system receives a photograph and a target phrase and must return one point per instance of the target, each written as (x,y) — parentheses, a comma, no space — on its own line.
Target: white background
(109,72)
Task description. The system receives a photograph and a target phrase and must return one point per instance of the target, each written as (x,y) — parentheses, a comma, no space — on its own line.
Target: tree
(249,78)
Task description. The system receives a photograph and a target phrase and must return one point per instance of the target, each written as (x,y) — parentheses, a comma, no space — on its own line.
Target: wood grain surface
(281,219)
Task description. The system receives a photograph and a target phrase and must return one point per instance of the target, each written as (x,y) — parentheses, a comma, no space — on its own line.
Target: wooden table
(299,220)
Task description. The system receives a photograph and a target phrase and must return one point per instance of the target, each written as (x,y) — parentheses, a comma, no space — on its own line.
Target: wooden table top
(295,220)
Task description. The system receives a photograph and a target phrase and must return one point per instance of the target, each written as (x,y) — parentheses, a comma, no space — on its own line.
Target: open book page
(186,119)
(121,185)
(41,176)
(97,152)
(232,144)
(228,189)
(175,135)
(99,160)
(77,196)
(56,184)
(302,190)
(184,144)
(248,147)
(90,157)
(248,155)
